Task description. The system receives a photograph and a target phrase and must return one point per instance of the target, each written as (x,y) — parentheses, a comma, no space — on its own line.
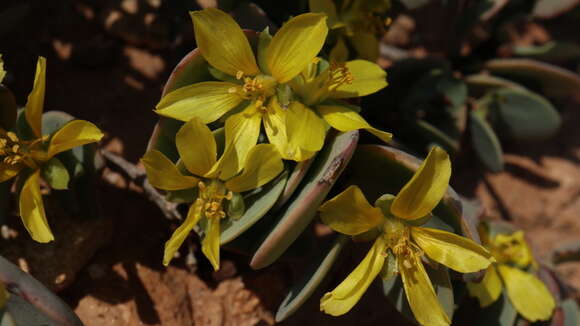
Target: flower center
(11,149)
(512,250)
(211,197)
(397,236)
(257,88)
(338,75)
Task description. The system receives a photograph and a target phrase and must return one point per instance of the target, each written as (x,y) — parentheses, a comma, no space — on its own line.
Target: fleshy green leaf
(305,287)
(485,143)
(553,80)
(299,212)
(525,115)
(256,206)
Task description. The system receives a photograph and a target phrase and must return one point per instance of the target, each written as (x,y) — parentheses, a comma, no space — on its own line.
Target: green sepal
(257,204)
(56,174)
(264,40)
(236,207)
(284,94)
(384,203)
(390,268)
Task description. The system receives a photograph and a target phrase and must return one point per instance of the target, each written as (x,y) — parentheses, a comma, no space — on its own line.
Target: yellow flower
(358,23)
(401,245)
(525,291)
(27,157)
(198,151)
(260,90)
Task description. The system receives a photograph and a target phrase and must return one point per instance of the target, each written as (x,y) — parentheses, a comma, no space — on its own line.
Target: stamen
(339,75)
(211,197)
(239,74)
(11,149)
(12,136)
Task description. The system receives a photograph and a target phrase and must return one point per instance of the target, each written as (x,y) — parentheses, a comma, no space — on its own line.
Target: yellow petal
(196,146)
(163,174)
(366,46)
(32,210)
(276,130)
(262,165)
(295,45)
(181,233)
(527,293)
(35,102)
(513,248)
(419,291)
(426,188)
(339,52)
(350,212)
(367,78)
(242,131)
(344,119)
(8,171)
(222,42)
(326,7)
(349,292)
(275,126)
(488,290)
(305,129)
(74,133)
(210,245)
(454,251)
(207,101)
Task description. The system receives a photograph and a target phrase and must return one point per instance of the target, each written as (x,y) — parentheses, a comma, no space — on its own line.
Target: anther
(12,136)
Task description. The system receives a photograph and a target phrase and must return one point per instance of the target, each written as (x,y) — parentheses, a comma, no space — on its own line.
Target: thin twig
(139,177)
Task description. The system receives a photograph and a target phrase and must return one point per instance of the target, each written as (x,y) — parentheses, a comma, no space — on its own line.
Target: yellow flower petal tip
(32,210)
(223,43)
(426,188)
(295,45)
(73,134)
(35,103)
(350,213)
(348,293)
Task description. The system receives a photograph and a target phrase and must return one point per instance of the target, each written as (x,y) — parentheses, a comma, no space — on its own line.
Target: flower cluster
(276,98)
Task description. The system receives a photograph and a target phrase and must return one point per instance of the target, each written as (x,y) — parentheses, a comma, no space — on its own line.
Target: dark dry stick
(139,177)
